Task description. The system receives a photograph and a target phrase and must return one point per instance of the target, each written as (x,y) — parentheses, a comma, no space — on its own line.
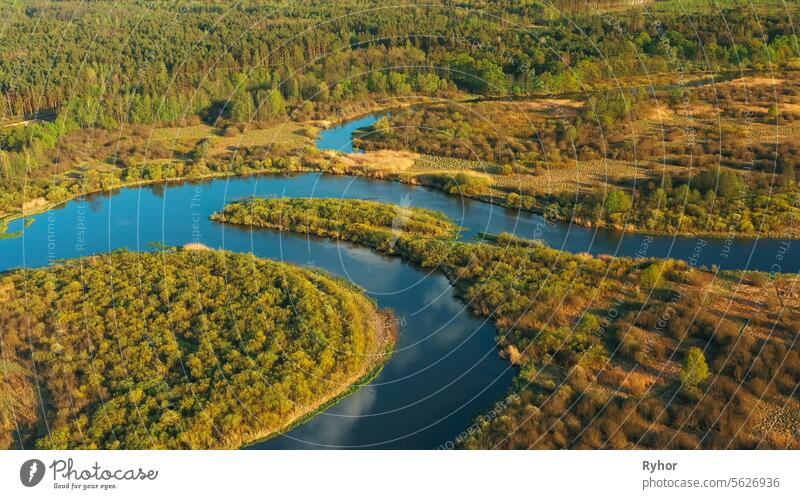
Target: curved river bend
(446,369)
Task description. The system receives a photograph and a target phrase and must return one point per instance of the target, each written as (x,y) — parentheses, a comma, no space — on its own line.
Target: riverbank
(377,174)
(348,388)
(664,197)
(44,207)
(423,178)
(37,206)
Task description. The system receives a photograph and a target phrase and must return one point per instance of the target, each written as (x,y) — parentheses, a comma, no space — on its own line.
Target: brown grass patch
(513,354)
(782,106)
(754,81)
(661,113)
(33,205)
(285,134)
(386,161)
(631,381)
(182,134)
(323,124)
(743,302)
(546,104)
(584,176)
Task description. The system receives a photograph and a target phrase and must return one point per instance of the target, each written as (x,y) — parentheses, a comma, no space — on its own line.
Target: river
(446,368)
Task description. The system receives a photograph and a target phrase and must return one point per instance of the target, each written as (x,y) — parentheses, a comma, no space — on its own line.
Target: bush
(757,279)
(618,202)
(650,277)
(695,368)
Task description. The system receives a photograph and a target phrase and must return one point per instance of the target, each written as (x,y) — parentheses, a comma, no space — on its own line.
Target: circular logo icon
(31,472)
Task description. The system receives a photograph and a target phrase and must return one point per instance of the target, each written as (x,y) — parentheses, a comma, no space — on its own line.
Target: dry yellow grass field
(289,134)
(584,176)
(383,161)
(183,134)
(755,81)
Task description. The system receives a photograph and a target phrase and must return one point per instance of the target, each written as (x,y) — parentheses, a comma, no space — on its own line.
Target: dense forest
(182,57)
(261,62)
(177,349)
(613,352)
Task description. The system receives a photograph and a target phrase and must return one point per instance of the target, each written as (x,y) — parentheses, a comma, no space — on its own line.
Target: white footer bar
(390,474)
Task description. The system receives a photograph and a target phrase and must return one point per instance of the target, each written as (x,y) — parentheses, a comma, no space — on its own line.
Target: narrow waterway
(770,255)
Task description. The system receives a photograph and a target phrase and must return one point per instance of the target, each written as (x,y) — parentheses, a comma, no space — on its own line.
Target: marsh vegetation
(612,352)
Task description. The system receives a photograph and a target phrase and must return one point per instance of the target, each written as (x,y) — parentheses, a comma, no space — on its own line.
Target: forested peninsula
(179,349)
